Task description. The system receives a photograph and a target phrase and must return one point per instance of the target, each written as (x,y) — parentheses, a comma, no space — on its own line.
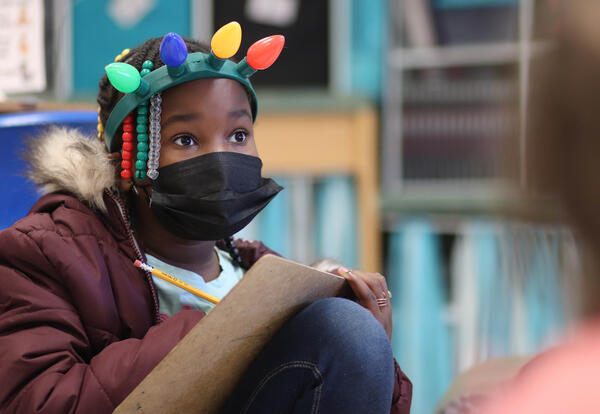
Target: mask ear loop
(134,188)
(136,191)
(148,196)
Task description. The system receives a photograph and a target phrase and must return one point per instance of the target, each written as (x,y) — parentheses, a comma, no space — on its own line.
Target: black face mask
(212,196)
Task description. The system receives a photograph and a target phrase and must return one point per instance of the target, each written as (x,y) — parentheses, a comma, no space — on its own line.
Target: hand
(372,293)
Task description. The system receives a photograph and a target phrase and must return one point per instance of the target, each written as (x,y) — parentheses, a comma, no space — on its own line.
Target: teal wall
(368,43)
(97,39)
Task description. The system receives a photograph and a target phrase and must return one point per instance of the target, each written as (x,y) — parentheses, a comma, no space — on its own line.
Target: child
(80,326)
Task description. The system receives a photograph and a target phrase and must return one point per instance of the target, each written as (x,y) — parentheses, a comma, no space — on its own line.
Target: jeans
(332,357)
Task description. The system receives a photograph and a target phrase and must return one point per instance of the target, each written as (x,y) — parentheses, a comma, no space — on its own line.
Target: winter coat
(79,324)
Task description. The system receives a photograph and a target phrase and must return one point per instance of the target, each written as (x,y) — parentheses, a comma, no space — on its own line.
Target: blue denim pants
(332,357)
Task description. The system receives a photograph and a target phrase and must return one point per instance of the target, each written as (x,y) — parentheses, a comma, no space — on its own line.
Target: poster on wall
(22,46)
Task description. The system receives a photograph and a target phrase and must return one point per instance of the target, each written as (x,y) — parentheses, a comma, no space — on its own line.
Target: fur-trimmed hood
(63,159)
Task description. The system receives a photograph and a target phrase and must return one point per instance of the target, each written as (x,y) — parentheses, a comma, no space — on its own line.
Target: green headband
(180,67)
(160,79)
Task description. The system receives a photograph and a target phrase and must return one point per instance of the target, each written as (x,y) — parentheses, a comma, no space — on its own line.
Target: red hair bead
(126,154)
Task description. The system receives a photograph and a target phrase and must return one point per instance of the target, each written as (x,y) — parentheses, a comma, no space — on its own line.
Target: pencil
(179,283)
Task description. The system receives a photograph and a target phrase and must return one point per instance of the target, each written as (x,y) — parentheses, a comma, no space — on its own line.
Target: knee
(348,328)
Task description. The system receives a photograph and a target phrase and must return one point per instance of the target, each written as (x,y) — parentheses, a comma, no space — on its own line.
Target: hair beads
(142,129)
(126,154)
(100,127)
(142,141)
(154,152)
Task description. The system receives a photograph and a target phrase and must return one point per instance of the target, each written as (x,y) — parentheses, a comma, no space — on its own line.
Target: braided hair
(108,97)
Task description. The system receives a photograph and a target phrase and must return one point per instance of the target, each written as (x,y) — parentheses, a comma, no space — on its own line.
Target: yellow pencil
(179,283)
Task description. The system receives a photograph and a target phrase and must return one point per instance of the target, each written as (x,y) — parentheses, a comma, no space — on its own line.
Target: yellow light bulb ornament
(225,43)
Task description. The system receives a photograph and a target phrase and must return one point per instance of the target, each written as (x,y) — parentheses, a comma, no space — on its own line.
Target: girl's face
(203,116)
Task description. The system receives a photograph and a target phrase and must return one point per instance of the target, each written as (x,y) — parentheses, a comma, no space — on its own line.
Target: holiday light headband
(181,67)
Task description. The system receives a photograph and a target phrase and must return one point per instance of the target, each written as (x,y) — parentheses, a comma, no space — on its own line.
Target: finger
(361,289)
(384,287)
(377,283)
(373,280)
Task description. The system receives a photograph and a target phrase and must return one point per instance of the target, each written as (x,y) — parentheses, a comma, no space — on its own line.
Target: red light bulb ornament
(261,55)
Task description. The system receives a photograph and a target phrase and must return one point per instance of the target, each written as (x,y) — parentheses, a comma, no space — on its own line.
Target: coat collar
(65,160)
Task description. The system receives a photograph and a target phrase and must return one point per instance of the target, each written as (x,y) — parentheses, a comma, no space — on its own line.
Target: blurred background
(397,128)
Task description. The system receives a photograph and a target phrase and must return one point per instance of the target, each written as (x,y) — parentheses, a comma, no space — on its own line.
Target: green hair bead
(142,129)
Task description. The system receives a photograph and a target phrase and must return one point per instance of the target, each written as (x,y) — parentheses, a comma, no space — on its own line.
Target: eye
(239,137)
(184,140)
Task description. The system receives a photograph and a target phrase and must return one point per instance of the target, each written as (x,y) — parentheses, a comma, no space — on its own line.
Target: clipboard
(200,373)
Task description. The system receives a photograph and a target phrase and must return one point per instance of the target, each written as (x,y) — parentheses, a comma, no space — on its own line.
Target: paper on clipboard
(200,373)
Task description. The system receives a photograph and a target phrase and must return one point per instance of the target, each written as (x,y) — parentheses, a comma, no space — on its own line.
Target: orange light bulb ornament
(261,55)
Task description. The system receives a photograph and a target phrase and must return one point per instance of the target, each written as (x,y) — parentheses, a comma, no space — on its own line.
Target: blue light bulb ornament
(173,53)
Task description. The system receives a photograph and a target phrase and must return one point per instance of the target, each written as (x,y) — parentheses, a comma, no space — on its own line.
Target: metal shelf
(477,56)
(468,197)
(460,55)
(448,56)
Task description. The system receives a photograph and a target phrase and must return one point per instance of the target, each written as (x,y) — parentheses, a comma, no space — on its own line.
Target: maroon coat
(79,324)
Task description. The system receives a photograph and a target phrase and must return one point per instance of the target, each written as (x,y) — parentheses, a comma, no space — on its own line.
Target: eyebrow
(181,118)
(237,113)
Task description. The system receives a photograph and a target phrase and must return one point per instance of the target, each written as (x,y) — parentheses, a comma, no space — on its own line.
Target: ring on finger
(382,302)
(389,294)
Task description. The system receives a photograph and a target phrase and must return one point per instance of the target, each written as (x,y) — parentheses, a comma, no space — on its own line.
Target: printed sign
(22,46)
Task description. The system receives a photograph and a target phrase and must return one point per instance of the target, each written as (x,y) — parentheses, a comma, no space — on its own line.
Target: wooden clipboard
(199,374)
